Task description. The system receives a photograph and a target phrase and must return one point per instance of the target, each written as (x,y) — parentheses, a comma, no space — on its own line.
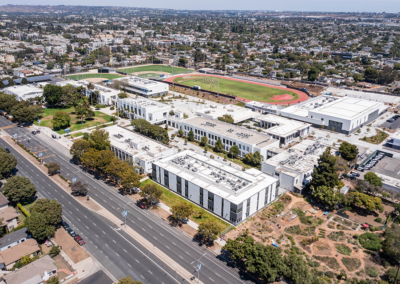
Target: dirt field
(69,246)
(328,239)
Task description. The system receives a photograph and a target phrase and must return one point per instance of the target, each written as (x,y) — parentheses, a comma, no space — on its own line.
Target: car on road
(7,150)
(34,132)
(71,232)
(79,240)
(141,205)
(65,225)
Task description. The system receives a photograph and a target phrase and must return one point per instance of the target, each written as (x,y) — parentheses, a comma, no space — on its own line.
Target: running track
(302,96)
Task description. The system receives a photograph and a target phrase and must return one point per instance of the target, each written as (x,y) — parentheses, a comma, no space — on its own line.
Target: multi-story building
(231,194)
(248,141)
(218,110)
(142,108)
(144,87)
(294,166)
(137,149)
(344,115)
(24,92)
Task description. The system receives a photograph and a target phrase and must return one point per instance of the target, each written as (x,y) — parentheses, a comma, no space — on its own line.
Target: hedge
(26,213)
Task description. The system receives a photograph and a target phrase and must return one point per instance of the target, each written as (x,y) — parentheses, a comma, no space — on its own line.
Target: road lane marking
(87,227)
(167,247)
(137,260)
(125,251)
(114,241)
(141,276)
(129,265)
(117,254)
(210,279)
(150,271)
(181,257)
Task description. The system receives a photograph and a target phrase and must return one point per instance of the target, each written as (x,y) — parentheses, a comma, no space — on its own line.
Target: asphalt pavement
(175,243)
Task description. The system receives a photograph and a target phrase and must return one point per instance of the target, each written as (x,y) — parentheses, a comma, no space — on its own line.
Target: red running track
(302,96)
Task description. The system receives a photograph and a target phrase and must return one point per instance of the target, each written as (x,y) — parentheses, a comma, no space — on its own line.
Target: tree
(153,131)
(313,74)
(19,190)
(53,168)
(128,280)
(191,135)
(367,201)
(11,82)
(99,140)
(348,151)
(219,147)
(234,151)
(373,179)
(39,228)
(357,77)
(53,280)
(326,195)
(265,261)
(326,172)
(151,191)
(83,110)
(24,81)
(50,65)
(8,163)
(129,179)
(103,158)
(79,147)
(387,75)
(391,244)
(2,86)
(226,118)
(257,159)
(116,168)
(79,188)
(180,133)
(171,113)
(113,119)
(182,61)
(52,94)
(61,119)
(371,74)
(181,211)
(209,229)
(204,141)
(299,271)
(126,41)
(51,209)
(23,112)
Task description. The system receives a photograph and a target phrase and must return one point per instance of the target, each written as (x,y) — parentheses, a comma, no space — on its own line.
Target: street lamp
(198,268)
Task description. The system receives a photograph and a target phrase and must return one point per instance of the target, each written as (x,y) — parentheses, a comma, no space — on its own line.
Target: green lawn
(170,199)
(47,116)
(95,75)
(235,88)
(27,207)
(161,68)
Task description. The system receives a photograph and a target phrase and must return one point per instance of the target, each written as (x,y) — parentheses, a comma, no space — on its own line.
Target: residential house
(34,273)
(13,254)
(8,215)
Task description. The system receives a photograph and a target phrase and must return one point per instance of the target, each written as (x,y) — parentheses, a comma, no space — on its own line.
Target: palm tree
(113,119)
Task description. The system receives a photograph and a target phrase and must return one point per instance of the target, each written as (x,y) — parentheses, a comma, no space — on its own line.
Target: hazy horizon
(388,6)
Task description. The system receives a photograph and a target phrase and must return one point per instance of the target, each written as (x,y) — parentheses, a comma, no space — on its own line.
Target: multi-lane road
(120,255)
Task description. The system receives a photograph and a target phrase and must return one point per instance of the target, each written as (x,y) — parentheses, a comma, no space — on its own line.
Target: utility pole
(198,267)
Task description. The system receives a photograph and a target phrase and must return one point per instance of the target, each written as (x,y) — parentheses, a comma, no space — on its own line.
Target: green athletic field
(94,75)
(161,68)
(236,88)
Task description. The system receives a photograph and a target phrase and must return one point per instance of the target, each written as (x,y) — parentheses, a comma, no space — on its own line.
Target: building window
(211,208)
(211,198)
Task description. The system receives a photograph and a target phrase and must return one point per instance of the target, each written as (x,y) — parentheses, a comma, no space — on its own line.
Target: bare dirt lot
(69,246)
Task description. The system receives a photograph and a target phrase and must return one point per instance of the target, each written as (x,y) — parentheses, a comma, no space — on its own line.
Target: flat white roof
(284,127)
(24,90)
(301,157)
(344,107)
(134,143)
(144,102)
(231,131)
(217,110)
(141,82)
(216,177)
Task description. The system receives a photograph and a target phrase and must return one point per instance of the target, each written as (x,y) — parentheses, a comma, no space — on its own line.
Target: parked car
(34,132)
(141,205)
(71,232)
(79,240)
(37,131)
(355,174)
(65,225)
(390,120)
(360,169)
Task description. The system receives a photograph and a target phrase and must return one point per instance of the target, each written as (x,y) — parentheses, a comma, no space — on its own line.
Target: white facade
(24,92)
(343,115)
(294,166)
(231,194)
(144,87)
(248,141)
(282,128)
(106,96)
(141,151)
(142,108)
(263,107)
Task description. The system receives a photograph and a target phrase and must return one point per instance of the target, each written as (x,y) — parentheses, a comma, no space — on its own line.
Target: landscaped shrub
(378,220)
(372,272)
(26,213)
(330,274)
(371,241)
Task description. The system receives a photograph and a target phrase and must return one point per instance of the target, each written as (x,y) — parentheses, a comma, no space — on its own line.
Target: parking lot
(387,166)
(393,125)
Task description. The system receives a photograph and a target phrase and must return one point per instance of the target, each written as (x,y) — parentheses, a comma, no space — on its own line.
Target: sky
(389,6)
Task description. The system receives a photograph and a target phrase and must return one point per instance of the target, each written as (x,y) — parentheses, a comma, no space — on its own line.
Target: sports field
(94,75)
(161,68)
(245,90)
